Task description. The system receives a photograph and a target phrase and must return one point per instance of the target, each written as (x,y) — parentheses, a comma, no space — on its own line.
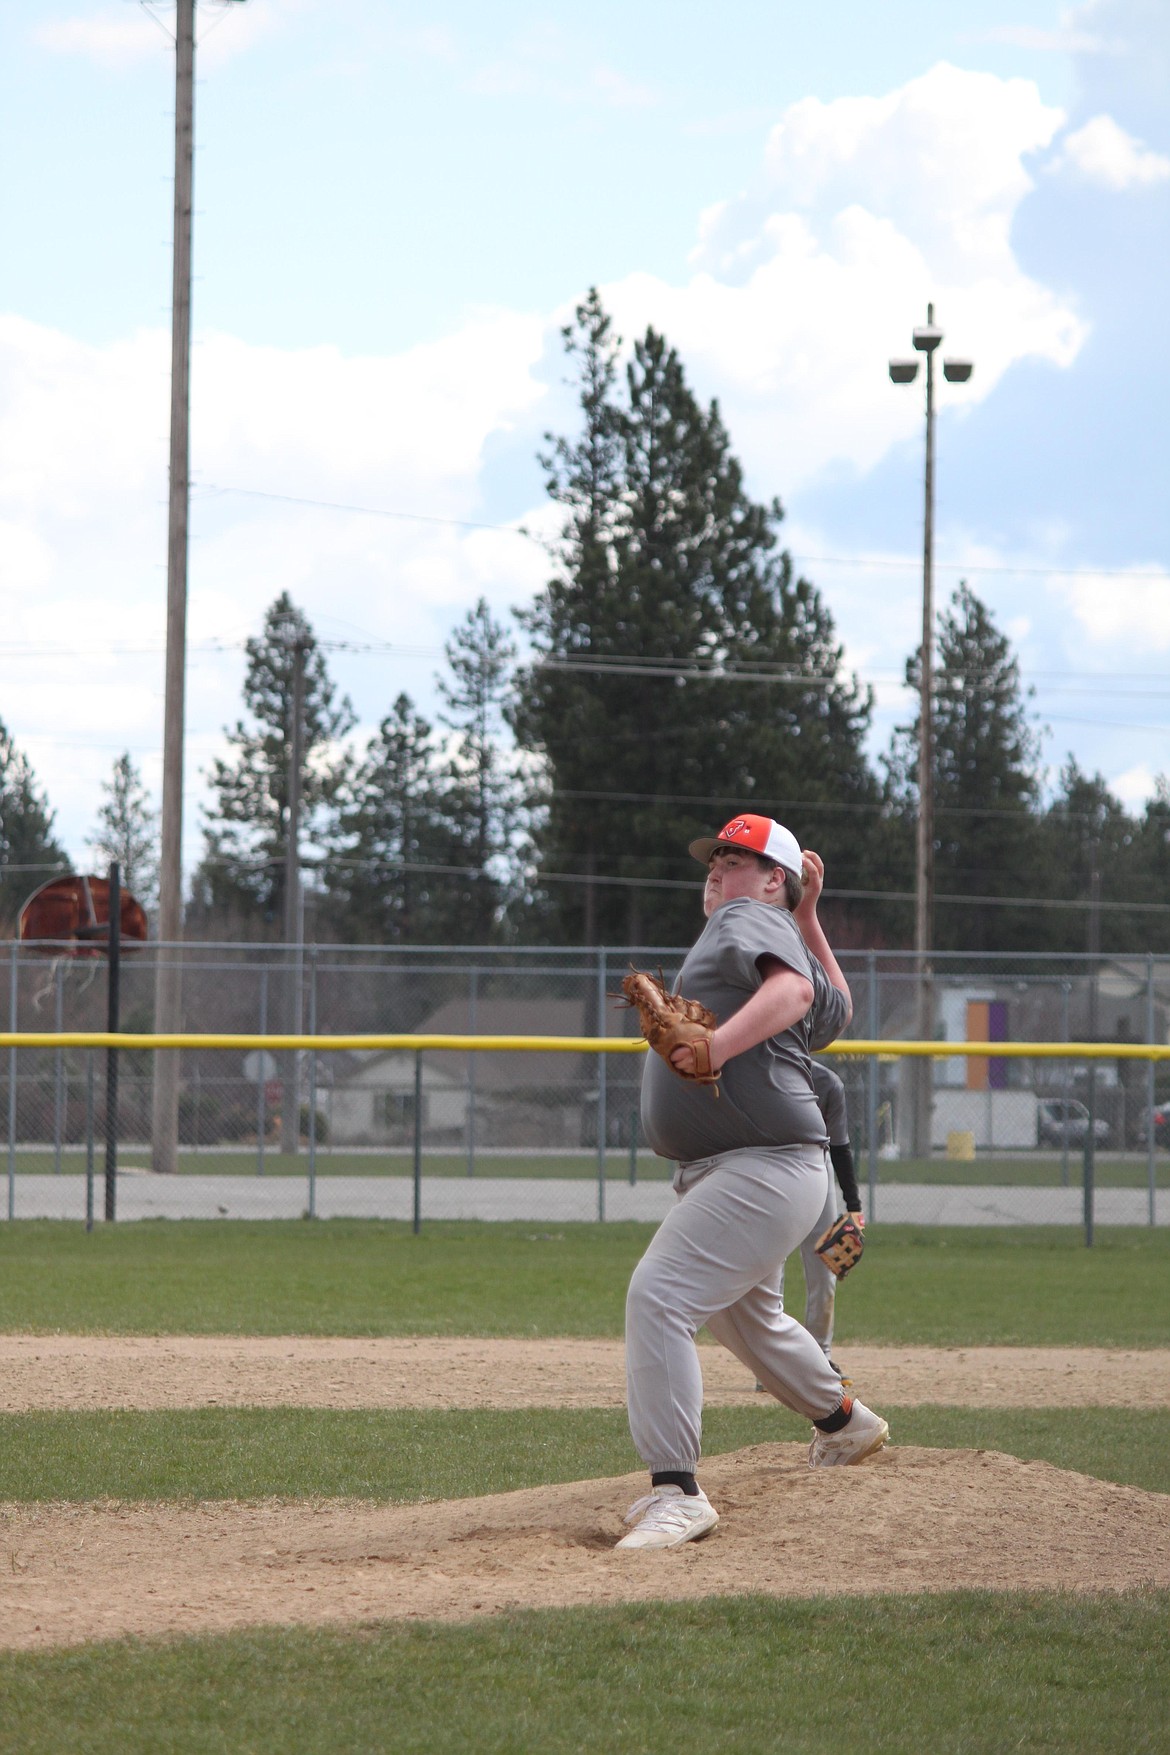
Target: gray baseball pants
(716,1259)
(820,1285)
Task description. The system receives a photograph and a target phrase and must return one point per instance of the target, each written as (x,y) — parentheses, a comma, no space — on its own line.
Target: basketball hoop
(70,917)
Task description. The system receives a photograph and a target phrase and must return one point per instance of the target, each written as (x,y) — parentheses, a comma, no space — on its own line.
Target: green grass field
(408,1454)
(1026,1285)
(962,1672)
(1042,1169)
(965,1673)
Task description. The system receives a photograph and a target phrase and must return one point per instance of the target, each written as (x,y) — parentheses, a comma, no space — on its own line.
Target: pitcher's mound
(909,1520)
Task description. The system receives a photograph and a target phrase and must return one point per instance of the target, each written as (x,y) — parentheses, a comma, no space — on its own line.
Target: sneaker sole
(691,1535)
(874,1445)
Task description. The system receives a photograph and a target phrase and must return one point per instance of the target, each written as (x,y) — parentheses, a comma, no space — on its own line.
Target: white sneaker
(666,1517)
(863,1433)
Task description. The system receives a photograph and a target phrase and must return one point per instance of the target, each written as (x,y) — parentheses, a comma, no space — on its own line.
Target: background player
(820,1283)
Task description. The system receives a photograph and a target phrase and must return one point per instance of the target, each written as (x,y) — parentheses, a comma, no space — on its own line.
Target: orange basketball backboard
(70,916)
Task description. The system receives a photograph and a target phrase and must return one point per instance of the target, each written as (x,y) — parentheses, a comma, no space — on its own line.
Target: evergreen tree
(481,793)
(1150,855)
(1088,844)
(29,851)
(986,753)
(246,828)
(401,879)
(127,831)
(667,578)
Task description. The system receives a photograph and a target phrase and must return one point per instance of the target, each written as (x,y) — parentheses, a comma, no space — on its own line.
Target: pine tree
(29,851)
(400,880)
(246,827)
(986,753)
(127,831)
(667,577)
(1150,855)
(1088,856)
(481,794)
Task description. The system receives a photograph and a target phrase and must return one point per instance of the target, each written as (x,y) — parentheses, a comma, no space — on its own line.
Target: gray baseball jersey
(830,1095)
(766,1094)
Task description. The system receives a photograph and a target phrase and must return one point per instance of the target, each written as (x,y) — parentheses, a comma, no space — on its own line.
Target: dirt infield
(929,1519)
(181,1371)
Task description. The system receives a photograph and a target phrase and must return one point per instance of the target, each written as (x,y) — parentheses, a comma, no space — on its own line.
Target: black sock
(836,1420)
(676,1478)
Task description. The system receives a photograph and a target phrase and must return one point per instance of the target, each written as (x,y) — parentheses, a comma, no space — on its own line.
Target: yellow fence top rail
(566,1045)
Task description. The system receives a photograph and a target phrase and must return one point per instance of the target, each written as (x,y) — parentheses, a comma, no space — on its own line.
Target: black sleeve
(842,1159)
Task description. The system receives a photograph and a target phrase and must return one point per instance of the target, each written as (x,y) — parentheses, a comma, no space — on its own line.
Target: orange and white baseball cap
(756,835)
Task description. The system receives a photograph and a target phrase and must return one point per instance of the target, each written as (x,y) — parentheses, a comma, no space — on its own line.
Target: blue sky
(392,220)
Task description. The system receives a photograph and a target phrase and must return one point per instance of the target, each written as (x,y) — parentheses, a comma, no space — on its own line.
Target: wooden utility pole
(167,1016)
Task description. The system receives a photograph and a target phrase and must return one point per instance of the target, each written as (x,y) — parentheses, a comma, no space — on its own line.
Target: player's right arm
(781,1000)
(811,930)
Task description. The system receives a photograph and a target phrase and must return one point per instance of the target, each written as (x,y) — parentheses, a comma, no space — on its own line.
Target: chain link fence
(554,1136)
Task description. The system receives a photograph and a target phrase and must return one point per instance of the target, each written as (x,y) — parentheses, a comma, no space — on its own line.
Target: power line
(536,878)
(211,487)
(881,562)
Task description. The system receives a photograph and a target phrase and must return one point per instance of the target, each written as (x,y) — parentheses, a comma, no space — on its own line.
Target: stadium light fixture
(927,338)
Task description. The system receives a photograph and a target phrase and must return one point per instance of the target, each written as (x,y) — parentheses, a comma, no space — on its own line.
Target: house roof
(503,1070)
(500,1070)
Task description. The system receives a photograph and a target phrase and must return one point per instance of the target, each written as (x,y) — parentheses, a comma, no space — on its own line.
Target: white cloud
(1068,40)
(543,62)
(940,158)
(1131,612)
(118,37)
(868,208)
(1103,153)
(83,526)
(1135,787)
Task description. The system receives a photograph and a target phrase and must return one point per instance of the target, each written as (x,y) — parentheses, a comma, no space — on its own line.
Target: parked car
(1159,1119)
(1062,1121)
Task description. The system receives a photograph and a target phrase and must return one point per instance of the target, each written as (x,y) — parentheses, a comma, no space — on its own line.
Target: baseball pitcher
(732,1102)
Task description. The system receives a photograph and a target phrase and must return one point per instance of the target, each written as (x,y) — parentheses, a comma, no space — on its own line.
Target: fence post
(312,1084)
(58,1064)
(472,996)
(89,1140)
(872,1091)
(1065,990)
(1089,1174)
(13,982)
(1151,1145)
(601,1084)
(417,1220)
(113,968)
(262,1082)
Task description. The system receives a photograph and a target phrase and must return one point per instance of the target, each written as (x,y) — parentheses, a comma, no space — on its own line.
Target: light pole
(926,340)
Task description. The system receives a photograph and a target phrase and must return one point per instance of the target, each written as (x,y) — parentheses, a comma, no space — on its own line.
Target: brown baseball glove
(669,1021)
(840,1246)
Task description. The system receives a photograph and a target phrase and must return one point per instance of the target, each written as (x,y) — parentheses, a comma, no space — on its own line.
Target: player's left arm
(841,1156)
(811,930)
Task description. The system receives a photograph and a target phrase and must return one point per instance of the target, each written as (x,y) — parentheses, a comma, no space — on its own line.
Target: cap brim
(703,848)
